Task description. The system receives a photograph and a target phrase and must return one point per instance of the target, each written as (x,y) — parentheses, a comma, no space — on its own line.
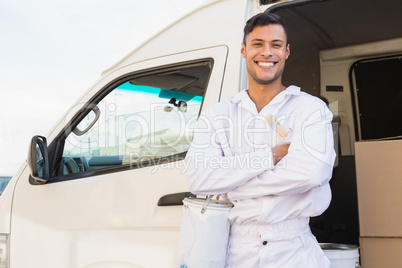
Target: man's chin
(265,81)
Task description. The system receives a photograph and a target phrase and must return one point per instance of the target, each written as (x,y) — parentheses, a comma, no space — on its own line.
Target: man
(270,150)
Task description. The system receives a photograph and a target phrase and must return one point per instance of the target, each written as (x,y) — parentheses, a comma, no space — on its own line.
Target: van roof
(211,25)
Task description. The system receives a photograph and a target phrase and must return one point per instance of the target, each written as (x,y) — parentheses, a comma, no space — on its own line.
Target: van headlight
(4,246)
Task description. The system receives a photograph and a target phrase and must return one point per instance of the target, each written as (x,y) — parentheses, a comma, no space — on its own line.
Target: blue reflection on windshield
(162,93)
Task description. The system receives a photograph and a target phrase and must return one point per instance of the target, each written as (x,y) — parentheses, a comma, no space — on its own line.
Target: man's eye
(277,45)
(257,44)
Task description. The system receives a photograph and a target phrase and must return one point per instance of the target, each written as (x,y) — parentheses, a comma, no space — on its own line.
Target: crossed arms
(297,167)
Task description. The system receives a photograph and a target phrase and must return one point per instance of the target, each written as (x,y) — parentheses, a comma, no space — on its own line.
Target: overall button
(264,243)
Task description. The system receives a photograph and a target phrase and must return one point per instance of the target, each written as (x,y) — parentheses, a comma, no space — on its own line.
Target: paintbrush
(270,119)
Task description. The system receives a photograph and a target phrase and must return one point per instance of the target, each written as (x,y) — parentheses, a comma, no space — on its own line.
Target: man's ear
(288,51)
(243,50)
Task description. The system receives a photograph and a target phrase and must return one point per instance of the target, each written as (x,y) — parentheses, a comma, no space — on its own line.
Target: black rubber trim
(174,199)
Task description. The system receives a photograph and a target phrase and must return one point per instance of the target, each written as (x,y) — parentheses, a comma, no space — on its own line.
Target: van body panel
(111,213)
(6,200)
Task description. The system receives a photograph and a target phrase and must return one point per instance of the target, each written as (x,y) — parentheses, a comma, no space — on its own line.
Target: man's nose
(266,51)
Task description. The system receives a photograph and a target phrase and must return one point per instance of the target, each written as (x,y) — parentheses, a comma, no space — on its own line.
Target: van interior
(347,52)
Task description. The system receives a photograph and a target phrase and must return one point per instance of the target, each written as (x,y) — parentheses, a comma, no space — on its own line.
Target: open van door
(348,53)
(117,171)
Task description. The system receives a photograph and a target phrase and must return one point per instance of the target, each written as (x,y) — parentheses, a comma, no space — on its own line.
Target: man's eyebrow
(262,40)
(257,40)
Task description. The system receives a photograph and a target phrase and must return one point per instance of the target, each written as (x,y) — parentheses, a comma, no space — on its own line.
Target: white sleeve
(307,165)
(211,168)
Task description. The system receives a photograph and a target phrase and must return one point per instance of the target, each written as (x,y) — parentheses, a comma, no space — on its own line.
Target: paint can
(341,255)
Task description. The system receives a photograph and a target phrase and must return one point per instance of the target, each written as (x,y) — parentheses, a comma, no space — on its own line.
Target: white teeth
(265,64)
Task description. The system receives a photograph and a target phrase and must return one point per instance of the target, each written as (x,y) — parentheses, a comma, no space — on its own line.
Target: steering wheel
(71,165)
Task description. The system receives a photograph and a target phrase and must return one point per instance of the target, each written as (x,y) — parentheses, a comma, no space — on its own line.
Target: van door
(113,167)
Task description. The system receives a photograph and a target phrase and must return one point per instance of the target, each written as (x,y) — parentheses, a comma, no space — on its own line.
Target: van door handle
(175,199)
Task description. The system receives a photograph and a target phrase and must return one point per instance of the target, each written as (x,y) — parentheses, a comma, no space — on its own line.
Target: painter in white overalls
(270,149)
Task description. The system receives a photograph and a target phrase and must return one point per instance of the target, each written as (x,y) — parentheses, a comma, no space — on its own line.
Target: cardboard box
(381,252)
(379,187)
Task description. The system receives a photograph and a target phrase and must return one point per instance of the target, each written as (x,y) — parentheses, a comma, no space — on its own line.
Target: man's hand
(279,152)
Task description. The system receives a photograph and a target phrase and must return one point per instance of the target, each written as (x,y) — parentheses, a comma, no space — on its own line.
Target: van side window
(143,121)
(378,84)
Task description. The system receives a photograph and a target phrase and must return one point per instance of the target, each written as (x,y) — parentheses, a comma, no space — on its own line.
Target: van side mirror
(38,161)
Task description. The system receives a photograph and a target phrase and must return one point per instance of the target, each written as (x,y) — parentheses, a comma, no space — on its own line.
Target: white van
(104,188)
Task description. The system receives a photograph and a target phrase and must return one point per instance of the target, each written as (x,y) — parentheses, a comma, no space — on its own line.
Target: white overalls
(231,153)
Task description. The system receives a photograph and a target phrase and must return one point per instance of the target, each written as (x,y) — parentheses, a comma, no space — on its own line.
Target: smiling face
(265,51)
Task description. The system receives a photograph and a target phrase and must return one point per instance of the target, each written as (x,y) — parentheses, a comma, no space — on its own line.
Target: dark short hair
(263,19)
